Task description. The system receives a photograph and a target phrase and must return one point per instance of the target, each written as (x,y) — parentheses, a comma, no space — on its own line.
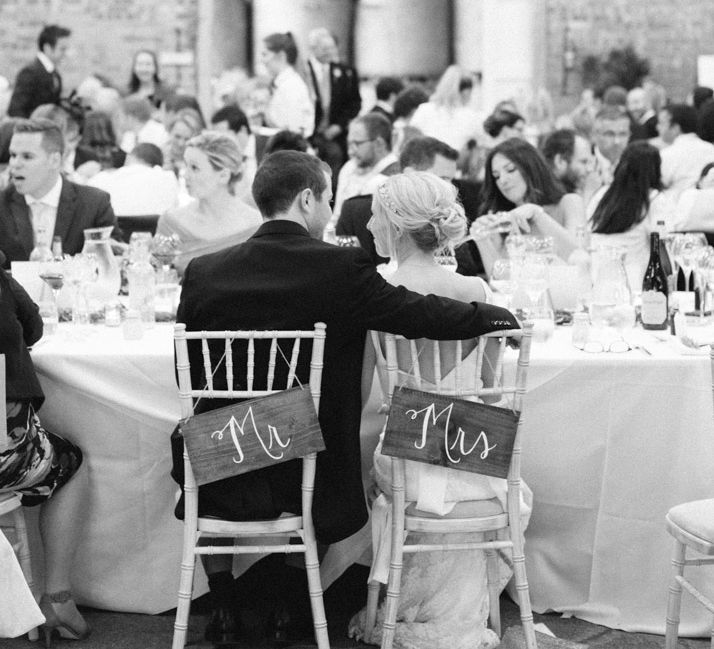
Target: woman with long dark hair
(631,207)
(520,188)
(144,80)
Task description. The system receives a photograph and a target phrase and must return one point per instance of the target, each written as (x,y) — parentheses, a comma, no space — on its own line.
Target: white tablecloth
(611,442)
(118,400)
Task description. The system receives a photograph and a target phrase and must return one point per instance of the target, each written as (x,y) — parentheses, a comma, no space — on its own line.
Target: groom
(286,277)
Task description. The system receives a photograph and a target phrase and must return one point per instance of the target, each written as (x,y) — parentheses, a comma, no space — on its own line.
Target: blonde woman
(217,218)
(448,115)
(444,598)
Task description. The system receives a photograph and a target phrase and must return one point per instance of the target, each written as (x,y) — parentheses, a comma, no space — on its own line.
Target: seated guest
(405,105)
(687,153)
(631,207)
(369,144)
(175,102)
(141,187)
(69,124)
(504,124)
(644,119)
(387,90)
(217,218)
(611,132)
(448,115)
(519,183)
(570,158)
(415,215)
(286,141)
(695,207)
(40,203)
(99,142)
(138,124)
(186,124)
(286,277)
(39,465)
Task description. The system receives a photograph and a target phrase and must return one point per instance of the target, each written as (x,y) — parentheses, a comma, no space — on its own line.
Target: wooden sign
(454,433)
(251,435)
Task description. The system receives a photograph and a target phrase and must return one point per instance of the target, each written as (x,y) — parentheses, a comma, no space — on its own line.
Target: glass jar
(97,243)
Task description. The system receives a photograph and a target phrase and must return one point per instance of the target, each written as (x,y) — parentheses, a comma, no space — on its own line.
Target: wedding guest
(42,467)
(217,218)
(444,599)
(504,124)
(705,128)
(144,80)
(335,87)
(138,124)
(140,187)
(448,115)
(175,102)
(700,96)
(387,90)
(231,119)
(286,277)
(69,124)
(99,142)
(643,116)
(570,159)
(286,141)
(631,207)
(39,82)
(187,123)
(40,203)
(687,153)
(519,183)
(290,106)
(610,136)
(369,143)
(405,105)
(695,207)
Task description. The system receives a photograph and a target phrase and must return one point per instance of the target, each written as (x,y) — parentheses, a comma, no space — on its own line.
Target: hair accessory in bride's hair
(386,198)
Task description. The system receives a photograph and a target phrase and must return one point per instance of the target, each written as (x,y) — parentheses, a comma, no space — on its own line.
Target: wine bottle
(655,292)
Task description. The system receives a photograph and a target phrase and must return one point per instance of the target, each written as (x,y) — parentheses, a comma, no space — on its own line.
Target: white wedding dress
(444,600)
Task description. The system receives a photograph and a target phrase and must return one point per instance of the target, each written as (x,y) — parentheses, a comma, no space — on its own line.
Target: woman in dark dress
(37,464)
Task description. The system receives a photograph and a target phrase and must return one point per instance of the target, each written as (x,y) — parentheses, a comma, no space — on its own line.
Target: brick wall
(670,33)
(105,34)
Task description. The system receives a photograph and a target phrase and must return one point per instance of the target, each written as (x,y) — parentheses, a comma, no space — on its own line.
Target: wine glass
(702,259)
(51,274)
(164,249)
(502,279)
(534,278)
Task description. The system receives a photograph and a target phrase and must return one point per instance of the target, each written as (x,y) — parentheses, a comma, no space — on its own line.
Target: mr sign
(449,432)
(251,435)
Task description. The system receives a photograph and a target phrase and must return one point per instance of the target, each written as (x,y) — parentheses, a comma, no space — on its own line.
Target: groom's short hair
(282,176)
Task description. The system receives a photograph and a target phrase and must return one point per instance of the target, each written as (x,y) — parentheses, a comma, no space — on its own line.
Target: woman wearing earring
(217,218)
(290,107)
(40,466)
(444,600)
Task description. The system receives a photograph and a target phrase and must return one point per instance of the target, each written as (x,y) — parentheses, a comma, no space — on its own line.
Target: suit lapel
(65,210)
(20,211)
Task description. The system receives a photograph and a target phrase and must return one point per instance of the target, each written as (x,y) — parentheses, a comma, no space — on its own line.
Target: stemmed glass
(164,249)
(702,261)
(502,279)
(684,251)
(80,271)
(52,275)
(534,278)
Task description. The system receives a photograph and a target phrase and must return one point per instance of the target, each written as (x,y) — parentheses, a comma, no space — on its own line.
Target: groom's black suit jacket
(281,278)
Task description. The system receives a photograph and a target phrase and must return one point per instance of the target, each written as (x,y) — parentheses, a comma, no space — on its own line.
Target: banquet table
(611,441)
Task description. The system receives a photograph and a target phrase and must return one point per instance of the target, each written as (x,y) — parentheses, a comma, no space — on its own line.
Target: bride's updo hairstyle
(423,206)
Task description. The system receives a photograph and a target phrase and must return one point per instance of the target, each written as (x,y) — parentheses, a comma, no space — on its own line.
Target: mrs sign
(454,433)
(251,435)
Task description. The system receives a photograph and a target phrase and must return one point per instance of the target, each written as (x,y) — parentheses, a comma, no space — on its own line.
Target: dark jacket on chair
(80,207)
(281,278)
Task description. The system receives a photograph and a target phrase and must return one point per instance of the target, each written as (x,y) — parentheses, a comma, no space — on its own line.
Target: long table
(611,442)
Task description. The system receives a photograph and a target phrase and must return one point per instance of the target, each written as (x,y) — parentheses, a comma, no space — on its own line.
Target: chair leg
(393,590)
(23,557)
(312,566)
(674,600)
(493,575)
(183,610)
(524,599)
(372,604)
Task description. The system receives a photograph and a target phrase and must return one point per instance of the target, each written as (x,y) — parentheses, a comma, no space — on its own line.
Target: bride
(444,596)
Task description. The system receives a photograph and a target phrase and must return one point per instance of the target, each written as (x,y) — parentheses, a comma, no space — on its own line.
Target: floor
(133,631)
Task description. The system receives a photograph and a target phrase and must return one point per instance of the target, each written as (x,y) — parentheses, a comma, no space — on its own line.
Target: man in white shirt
(39,82)
(610,137)
(687,154)
(40,204)
(369,145)
(141,187)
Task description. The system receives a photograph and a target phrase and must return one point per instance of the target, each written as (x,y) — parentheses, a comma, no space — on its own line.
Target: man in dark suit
(39,82)
(286,277)
(387,90)
(335,87)
(39,203)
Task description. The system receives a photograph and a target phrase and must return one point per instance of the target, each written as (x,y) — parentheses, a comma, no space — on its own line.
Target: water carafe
(106,287)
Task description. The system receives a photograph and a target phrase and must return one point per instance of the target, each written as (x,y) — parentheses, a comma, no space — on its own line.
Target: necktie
(39,222)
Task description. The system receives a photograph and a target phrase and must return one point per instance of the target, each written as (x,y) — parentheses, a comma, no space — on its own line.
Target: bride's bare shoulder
(471,289)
